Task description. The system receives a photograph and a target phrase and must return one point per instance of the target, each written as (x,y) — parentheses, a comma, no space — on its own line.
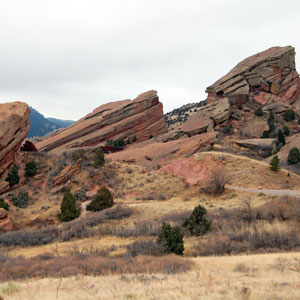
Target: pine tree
(102,200)
(68,209)
(275,163)
(271,121)
(99,160)
(197,224)
(31,168)
(171,239)
(13,176)
(294,156)
(280,138)
(134,139)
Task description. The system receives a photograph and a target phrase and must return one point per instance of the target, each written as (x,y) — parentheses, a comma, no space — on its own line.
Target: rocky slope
(141,117)
(14,127)
(264,77)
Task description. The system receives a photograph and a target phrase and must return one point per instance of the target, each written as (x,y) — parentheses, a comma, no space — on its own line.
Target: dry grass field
(252,277)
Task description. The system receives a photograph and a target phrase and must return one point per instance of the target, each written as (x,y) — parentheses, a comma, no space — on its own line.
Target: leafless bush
(281,264)
(144,247)
(217,181)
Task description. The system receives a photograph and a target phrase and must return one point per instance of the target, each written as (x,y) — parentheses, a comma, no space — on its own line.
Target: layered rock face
(266,77)
(5,222)
(125,119)
(14,127)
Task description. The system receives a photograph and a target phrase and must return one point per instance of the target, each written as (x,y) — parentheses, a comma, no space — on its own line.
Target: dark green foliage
(3,204)
(21,200)
(271,121)
(150,137)
(128,142)
(99,160)
(240,106)
(228,129)
(286,131)
(68,208)
(275,163)
(196,223)
(13,176)
(31,168)
(109,143)
(116,143)
(171,239)
(259,112)
(134,139)
(79,154)
(280,138)
(102,200)
(289,115)
(294,156)
(265,134)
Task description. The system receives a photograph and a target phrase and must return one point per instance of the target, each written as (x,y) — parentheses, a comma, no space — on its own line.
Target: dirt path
(290,193)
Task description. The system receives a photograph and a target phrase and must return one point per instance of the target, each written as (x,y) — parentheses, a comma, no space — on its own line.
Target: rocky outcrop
(154,153)
(5,222)
(67,173)
(14,126)
(207,117)
(141,117)
(263,146)
(28,146)
(264,77)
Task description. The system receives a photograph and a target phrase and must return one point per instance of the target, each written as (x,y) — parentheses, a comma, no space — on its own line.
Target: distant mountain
(41,126)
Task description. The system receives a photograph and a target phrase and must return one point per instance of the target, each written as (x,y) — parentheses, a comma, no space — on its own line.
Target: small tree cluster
(116,143)
(289,115)
(13,176)
(265,134)
(280,140)
(286,131)
(68,209)
(275,164)
(271,121)
(197,223)
(171,239)
(294,156)
(3,204)
(99,159)
(102,200)
(31,168)
(259,112)
(21,200)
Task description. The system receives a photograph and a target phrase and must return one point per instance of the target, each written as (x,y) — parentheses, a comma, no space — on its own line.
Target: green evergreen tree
(21,200)
(99,159)
(289,115)
(259,112)
(280,138)
(286,131)
(271,121)
(171,239)
(31,168)
(294,156)
(134,139)
(265,134)
(68,208)
(197,223)
(3,204)
(102,200)
(275,163)
(13,176)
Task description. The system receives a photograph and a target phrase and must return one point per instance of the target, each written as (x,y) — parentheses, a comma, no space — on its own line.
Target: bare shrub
(217,181)
(281,264)
(144,247)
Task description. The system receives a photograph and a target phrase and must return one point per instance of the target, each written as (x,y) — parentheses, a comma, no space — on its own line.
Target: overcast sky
(66,57)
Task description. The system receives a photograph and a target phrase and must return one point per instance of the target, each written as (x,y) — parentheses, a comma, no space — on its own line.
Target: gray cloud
(67,57)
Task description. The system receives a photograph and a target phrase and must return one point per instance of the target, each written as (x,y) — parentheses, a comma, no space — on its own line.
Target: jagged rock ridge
(141,117)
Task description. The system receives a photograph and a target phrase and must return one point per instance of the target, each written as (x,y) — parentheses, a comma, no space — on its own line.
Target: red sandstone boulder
(67,173)
(14,127)
(125,119)
(5,222)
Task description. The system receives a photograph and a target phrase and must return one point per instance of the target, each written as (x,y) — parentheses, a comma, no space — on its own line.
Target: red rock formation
(140,117)
(67,173)
(264,77)
(154,153)
(14,127)
(5,222)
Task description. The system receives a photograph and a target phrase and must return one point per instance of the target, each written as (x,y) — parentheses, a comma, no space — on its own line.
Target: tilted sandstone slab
(154,153)
(141,117)
(14,127)
(5,222)
(261,76)
(67,173)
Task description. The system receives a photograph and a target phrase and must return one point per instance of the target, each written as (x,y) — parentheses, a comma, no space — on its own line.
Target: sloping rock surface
(151,153)
(67,173)
(5,222)
(14,127)
(141,117)
(265,76)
